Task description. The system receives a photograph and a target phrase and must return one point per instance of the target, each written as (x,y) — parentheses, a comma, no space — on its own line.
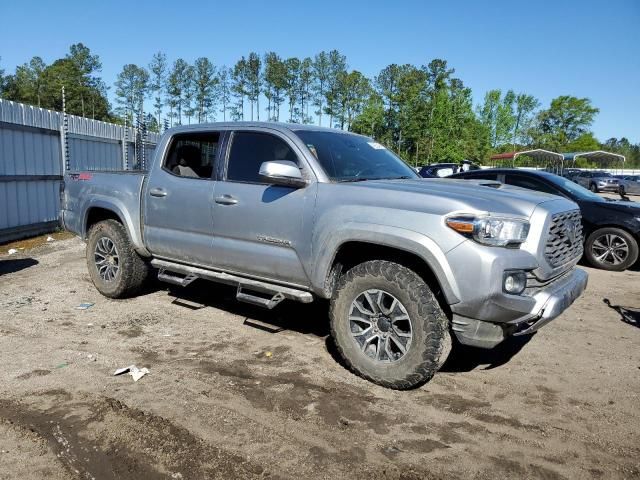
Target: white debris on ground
(135,372)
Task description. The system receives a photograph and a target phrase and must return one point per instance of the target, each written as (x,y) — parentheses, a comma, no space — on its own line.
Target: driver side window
(249,150)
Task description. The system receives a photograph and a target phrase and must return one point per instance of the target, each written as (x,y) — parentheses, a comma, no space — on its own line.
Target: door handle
(226,199)
(157,192)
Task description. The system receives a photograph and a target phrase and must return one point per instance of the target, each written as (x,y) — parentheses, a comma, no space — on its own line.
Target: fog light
(514,282)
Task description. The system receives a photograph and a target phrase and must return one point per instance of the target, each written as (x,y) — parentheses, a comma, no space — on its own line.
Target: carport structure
(604,159)
(538,158)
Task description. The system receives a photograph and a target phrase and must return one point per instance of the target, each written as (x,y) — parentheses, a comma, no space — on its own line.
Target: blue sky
(545,48)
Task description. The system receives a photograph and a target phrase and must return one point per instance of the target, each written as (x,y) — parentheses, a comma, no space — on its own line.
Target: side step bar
(248,289)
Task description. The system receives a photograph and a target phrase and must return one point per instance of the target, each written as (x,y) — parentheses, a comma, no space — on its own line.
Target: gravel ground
(237,392)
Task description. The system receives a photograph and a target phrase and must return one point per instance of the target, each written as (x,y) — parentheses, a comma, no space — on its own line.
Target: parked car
(611,228)
(571,173)
(298,212)
(440,170)
(597,181)
(629,184)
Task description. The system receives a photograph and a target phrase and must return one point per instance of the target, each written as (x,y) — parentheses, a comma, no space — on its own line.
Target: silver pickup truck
(299,212)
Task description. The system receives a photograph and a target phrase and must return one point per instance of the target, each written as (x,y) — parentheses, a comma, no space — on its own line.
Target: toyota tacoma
(300,212)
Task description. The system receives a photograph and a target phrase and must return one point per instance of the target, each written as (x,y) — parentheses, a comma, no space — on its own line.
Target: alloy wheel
(380,326)
(106,259)
(610,249)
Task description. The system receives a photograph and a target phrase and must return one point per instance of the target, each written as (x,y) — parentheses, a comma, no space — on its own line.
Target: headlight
(494,231)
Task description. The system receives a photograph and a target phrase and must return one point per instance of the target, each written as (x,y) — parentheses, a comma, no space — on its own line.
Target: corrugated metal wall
(32,164)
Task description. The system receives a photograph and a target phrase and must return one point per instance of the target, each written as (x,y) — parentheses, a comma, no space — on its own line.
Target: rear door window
(192,155)
(529,183)
(480,176)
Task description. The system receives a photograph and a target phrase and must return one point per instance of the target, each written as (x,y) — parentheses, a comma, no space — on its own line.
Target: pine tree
(157,85)
(205,86)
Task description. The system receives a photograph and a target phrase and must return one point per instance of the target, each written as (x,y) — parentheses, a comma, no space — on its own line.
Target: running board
(168,277)
(253,299)
(183,275)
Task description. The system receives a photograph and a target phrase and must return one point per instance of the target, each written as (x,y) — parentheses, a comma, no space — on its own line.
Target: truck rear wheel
(387,325)
(115,268)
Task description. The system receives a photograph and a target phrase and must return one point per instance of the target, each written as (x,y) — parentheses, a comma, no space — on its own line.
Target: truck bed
(88,192)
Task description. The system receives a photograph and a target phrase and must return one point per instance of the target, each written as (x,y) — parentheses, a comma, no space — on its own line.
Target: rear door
(178,199)
(260,229)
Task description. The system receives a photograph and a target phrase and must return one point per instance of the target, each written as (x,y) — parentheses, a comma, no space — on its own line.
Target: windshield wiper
(364,179)
(356,179)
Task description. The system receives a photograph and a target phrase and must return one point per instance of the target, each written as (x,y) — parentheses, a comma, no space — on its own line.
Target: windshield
(576,190)
(352,158)
(602,174)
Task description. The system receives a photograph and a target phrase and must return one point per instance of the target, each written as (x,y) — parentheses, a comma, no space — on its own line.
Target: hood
(618,206)
(462,195)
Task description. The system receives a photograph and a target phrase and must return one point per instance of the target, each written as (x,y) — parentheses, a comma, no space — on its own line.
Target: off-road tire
(133,269)
(429,324)
(631,258)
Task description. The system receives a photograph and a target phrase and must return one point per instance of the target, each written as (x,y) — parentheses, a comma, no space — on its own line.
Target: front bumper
(608,187)
(545,305)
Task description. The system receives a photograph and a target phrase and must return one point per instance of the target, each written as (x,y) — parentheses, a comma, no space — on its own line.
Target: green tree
(205,86)
(506,119)
(292,66)
(36,83)
(566,120)
(27,83)
(175,90)
(525,107)
(337,65)
(224,90)
(239,87)
(189,89)
(488,114)
(322,73)
(157,84)
(254,82)
(89,83)
(371,120)
(305,85)
(275,83)
(131,85)
(352,91)
(2,81)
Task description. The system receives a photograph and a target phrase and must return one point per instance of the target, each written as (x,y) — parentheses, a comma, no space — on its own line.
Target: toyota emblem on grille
(569,230)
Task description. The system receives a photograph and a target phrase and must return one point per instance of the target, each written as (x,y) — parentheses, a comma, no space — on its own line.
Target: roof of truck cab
(293,127)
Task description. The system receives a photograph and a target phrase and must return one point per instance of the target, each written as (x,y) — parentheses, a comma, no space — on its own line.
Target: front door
(178,202)
(260,228)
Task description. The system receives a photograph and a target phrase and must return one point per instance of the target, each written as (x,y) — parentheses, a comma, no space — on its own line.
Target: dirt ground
(238,392)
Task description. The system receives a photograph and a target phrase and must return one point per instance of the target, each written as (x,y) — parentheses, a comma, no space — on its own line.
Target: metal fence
(32,161)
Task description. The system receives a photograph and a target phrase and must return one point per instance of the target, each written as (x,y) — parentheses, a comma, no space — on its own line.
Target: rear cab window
(192,155)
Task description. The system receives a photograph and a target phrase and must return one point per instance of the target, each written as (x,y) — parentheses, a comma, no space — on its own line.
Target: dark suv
(611,228)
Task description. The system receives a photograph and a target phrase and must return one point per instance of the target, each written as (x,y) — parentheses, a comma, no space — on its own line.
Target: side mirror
(282,172)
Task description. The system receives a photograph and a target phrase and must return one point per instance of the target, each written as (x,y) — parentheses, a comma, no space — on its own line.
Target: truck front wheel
(387,324)
(115,268)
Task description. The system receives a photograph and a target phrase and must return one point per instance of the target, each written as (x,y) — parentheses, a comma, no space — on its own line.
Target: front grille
(564,242)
